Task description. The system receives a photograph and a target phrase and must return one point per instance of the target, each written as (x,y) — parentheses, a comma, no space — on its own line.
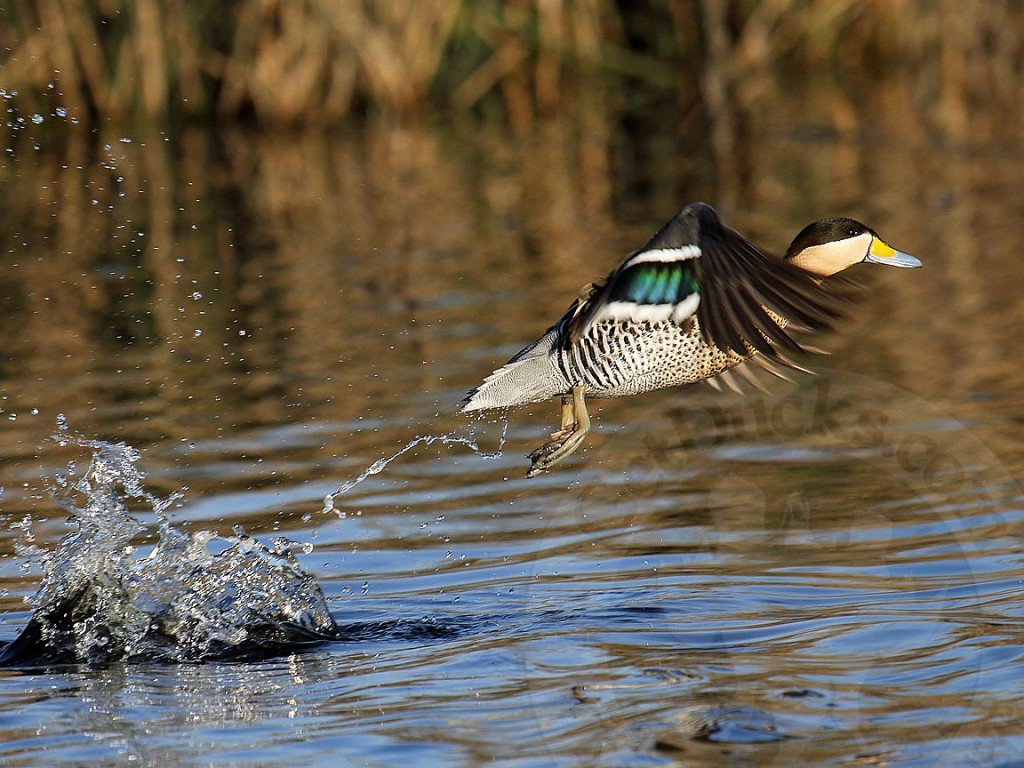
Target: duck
(695,302)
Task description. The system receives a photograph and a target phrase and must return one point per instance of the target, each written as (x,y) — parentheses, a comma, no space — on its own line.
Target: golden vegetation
(322,61)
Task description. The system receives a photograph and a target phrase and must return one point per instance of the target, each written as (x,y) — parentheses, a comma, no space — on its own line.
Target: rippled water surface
(826,574)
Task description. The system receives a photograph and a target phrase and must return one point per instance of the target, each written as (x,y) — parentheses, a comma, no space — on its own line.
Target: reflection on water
(828,574)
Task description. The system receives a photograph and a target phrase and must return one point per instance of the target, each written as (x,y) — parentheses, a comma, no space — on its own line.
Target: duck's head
(830,245)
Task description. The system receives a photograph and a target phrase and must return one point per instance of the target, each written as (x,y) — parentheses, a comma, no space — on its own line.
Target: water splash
(192,597)
(451,438)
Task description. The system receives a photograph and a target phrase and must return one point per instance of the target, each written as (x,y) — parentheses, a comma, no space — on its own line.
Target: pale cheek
(846,253)
(834,257)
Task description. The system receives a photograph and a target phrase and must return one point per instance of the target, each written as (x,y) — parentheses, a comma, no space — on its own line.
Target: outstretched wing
(742,297)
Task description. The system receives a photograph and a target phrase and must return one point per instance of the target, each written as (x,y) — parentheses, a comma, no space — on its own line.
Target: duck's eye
(852,231)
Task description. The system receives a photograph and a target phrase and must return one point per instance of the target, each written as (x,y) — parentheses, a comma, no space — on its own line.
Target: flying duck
(697,300)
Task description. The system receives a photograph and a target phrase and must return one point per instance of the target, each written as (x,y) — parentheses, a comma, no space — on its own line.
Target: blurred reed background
(325,61)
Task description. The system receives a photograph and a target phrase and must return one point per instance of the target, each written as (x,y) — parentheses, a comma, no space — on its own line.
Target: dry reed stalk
(399,45)
(151,58)
(550,34)
(717,88)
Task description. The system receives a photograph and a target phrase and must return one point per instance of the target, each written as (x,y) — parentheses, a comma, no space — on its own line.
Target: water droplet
(197,333)
(307,548)
(37,118)
(61,112)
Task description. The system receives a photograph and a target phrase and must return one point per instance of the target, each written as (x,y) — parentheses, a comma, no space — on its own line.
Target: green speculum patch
(656,282)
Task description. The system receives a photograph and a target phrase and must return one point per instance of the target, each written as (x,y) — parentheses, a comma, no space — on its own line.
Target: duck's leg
(575,425)
(568,419)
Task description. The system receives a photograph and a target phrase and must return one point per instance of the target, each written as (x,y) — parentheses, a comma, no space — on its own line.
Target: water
(189,597)
(381,464)
(827,574)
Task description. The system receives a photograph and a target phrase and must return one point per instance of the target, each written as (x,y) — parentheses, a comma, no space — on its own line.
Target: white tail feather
(530,376)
